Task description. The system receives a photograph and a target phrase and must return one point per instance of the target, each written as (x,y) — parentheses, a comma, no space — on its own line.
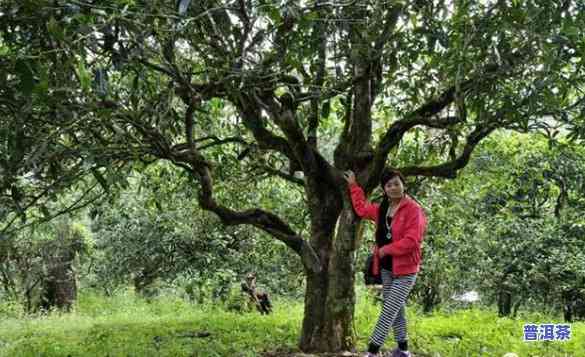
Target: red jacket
(408,228)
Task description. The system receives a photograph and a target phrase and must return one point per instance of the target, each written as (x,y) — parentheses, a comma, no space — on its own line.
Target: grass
(125,325)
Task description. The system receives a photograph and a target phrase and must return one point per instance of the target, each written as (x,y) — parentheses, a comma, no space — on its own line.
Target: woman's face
(394,188)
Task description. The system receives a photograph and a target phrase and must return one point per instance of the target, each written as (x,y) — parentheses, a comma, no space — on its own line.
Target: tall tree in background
(90,89)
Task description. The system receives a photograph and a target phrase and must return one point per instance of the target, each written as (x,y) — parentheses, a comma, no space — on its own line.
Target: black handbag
(369,277)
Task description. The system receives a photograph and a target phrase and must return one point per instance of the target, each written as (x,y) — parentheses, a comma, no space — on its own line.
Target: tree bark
(330,296)
(324,206)
(341,297)
(312,334)
(504,303)
(59,287)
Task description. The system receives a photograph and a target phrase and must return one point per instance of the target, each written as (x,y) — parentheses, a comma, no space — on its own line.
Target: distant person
(400,226)
(260,299)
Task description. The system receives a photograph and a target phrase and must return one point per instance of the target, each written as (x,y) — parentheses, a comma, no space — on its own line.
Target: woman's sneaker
(398,353)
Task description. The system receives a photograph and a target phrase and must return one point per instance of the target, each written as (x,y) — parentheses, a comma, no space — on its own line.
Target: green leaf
(326,109)
(25,73)
(84,76)
(55,30)
(43,85)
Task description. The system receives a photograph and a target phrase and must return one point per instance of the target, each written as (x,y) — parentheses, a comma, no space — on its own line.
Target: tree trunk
(59,287)
(573,305)
(430,298)
(341,297)
(330,295)
(504,303)
(323,219)
(8,283)
(312,334)
(516,307)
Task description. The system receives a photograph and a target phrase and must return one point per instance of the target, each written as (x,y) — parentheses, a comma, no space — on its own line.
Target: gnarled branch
(193,162)
(449,169)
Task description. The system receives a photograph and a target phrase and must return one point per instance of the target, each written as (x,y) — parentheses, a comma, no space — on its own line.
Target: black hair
(381,228)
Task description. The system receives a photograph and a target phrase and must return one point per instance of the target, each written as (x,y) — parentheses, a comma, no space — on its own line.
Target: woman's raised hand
(349,176)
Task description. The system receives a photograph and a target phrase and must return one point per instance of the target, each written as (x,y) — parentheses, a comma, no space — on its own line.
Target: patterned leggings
(393,314)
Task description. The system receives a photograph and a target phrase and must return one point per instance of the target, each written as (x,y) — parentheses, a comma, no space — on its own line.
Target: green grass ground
(128,326)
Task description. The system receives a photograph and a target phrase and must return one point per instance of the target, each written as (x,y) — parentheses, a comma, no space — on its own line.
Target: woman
(400,226)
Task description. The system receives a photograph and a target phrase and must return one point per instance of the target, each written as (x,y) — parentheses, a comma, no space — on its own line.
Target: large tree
(305,89)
